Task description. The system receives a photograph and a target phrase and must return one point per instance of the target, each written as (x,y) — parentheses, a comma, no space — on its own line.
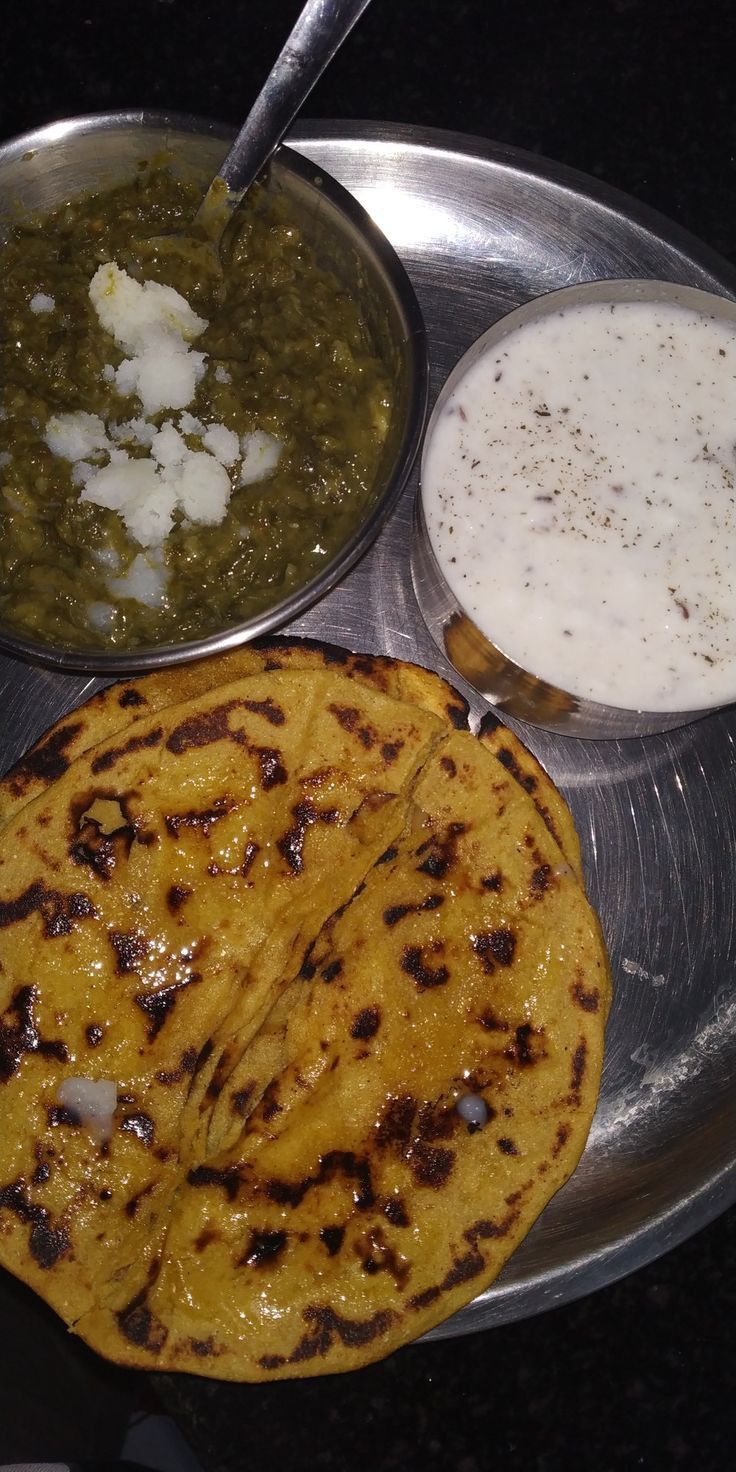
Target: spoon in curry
(318,34)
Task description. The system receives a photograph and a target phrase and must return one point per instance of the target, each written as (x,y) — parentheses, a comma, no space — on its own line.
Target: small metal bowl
(42,169)
(508,687)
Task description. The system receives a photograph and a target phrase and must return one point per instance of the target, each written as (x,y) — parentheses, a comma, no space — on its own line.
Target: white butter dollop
(222,443)
(93,1101)
(76,436)
(139,494)
(261,454)
(135,312)
(154,326)
(41,303)
(145,580)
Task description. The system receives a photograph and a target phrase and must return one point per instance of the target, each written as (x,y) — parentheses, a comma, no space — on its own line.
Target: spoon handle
(319,32)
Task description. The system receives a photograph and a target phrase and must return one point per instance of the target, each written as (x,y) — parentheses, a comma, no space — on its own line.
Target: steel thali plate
(480,229)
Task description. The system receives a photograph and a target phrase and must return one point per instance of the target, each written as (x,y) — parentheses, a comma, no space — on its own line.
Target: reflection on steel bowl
(193,447)
(577,529)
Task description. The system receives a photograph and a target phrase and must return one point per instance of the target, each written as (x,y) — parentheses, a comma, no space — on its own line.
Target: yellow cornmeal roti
(120,705)
(331,959)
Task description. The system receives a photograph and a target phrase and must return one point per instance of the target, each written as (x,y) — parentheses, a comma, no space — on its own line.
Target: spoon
(318,34)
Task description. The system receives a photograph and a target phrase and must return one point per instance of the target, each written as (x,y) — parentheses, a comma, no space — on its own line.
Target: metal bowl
(519,692)
(40,170)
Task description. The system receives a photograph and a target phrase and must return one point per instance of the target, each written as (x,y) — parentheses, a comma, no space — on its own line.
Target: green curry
(289,354)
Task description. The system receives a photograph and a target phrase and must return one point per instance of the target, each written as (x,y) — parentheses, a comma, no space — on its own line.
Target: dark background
(641,94)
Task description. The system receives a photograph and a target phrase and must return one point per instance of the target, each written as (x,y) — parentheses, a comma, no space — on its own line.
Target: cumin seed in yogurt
(578,492)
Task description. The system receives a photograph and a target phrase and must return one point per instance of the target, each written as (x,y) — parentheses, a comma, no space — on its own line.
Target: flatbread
(294,920)
(119,705)
(240,823)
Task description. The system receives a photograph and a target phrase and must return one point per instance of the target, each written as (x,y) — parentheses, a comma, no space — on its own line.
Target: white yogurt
(578,489)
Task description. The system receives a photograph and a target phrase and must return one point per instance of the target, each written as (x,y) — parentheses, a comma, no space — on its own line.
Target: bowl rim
(582,716)
(150,657)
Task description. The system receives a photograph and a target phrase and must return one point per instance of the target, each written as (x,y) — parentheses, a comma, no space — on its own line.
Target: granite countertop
(640,95)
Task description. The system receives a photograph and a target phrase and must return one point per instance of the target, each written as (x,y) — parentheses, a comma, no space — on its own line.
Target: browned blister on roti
(296,920)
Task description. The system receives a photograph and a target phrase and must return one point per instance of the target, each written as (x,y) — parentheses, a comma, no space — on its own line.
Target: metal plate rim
(435,141)
(716,1191)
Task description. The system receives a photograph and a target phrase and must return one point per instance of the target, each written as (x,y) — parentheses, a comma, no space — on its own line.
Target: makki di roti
(329,960)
